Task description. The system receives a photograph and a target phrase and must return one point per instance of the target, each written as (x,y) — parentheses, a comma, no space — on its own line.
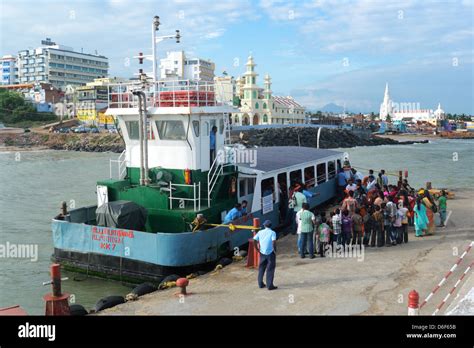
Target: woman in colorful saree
(429,204)
(421,220)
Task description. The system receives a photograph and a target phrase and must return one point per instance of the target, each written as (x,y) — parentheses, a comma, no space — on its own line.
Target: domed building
(259,106)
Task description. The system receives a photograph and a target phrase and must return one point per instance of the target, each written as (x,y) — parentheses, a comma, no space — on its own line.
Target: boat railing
(120,165)
(213,174)
(196,195)
(167,93)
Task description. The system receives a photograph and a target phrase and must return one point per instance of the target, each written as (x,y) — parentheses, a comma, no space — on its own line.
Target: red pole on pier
(57,303)
(413,301)
(253,256)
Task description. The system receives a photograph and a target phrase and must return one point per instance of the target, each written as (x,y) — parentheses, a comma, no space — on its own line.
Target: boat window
(221,126)
(196,128)
(295,176)
(339,165)
(251,186)
(309,179)
(331,170)
(206,129)
(171,130)
(246,186)
(242,183)
(132,130)
(268,187)
(321,172)
(282,184)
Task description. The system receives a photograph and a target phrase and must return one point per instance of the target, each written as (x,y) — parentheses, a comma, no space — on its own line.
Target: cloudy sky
(319,51)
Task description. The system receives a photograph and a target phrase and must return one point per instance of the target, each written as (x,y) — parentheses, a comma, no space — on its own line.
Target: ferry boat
(166,175)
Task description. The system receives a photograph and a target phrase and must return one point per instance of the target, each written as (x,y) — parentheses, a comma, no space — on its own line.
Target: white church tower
(439,114)
(386,108)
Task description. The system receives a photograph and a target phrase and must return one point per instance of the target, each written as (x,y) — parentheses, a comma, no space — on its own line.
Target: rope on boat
(392,174)
(231,227)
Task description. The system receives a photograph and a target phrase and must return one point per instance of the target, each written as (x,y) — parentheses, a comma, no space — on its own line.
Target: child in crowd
(324,234)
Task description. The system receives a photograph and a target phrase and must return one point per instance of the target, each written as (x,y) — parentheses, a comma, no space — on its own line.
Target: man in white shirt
(351,186)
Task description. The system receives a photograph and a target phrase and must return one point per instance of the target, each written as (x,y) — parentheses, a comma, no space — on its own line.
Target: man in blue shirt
(233,214)
(212,140)
(341,183)
(265,242)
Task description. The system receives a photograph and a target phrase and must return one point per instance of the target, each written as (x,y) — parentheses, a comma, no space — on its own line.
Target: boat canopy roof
(274,158)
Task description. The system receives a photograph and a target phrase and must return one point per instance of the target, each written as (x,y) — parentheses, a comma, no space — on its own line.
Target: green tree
(14,108)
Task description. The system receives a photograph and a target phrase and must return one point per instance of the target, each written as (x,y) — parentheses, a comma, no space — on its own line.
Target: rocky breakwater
(72,142)
(307,136)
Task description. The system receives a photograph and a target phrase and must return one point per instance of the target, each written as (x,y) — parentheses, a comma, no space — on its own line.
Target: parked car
(64,130)
(81,129)
(94,130)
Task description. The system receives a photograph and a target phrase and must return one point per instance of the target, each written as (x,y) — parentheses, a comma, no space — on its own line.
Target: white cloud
(214,34)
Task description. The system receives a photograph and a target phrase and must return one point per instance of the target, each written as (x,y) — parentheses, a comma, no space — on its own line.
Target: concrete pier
(376,282)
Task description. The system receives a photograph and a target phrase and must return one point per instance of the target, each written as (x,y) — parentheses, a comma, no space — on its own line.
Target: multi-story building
(60,65)
(225,88)
(92,101)
(258,106)
(9,70)
(176,66)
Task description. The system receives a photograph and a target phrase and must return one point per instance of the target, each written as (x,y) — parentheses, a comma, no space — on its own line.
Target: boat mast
(156,39)
(155,27)
(140,94)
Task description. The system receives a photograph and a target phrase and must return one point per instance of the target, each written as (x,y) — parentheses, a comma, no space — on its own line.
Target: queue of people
(373,213)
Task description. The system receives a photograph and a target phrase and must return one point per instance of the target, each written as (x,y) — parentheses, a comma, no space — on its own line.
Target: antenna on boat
(156,39)
(153,56)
